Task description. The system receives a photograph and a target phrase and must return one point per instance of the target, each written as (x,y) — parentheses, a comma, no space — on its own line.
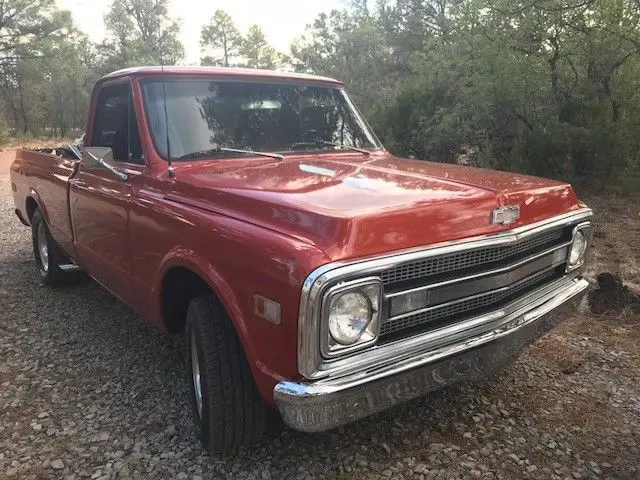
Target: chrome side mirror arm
(119,175)
(75,150)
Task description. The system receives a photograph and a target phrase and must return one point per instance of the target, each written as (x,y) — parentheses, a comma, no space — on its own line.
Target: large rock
(612,295)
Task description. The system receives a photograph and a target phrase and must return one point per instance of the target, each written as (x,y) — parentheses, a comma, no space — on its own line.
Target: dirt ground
(616,245)
(6,157)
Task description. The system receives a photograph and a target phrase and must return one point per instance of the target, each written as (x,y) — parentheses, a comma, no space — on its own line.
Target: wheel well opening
(31,207)
(179,286)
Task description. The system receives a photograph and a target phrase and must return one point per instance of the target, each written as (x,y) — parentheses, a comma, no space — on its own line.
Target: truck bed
(40,179)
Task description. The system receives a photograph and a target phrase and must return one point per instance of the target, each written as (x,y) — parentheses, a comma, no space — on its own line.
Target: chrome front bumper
(333,401)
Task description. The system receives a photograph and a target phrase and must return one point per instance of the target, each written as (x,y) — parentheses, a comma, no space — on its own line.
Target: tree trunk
(75,104)
(225,49)
(553,71)
(23,111)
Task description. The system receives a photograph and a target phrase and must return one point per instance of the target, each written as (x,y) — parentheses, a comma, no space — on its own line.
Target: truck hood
(351,205)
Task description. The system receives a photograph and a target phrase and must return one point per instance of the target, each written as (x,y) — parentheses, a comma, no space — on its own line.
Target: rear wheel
(47,254)
(227,407)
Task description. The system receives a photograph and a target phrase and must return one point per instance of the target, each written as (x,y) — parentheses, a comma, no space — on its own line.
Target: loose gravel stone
(89,391)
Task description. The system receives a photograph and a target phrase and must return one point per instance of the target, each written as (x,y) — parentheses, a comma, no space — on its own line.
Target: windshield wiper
(218,149)
(345,147)
(319,143)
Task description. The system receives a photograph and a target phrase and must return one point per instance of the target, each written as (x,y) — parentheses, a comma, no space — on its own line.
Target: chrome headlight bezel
(585,230)
(372,289)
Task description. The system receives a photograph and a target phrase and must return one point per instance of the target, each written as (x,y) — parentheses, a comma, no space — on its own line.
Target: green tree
(257,52)
(543,86)
(142,32)
(28,29)
(534,86)
(220,40)
(4,133)
(25,24)
(351,48)
(49,94)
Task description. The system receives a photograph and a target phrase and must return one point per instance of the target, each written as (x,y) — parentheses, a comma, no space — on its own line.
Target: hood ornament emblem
(505,215)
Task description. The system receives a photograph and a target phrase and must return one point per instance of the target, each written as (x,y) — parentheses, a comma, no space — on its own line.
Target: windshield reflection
(203,115)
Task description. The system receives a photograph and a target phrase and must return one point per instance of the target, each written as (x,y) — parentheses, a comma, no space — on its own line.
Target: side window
(115,124)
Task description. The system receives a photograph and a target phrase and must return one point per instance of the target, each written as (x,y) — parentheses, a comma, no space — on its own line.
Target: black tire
(50,271)
(232,412)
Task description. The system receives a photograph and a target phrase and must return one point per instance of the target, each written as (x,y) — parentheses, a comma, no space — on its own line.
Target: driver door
(100,202)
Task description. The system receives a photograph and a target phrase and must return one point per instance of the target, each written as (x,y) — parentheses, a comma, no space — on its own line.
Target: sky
(282,20)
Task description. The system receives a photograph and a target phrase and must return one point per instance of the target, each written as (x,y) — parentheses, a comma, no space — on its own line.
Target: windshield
(206,114)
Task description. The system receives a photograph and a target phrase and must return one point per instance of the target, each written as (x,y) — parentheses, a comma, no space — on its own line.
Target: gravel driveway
(89,391)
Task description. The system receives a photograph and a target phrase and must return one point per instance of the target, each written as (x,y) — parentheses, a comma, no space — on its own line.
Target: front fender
(265,376)
(204,268)
(237,260)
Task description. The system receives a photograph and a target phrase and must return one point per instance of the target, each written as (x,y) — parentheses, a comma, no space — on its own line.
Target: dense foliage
(549,87)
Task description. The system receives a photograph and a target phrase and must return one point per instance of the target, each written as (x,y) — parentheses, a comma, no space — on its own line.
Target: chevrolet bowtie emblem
(505,215)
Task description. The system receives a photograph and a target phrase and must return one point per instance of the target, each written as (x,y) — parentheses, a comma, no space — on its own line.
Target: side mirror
(97,158)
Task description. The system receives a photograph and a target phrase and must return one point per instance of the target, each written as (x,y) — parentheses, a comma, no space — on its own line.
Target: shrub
(4,133)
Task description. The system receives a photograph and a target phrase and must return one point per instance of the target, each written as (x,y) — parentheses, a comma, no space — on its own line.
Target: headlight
(578,249)
(352,315)
(578,246)
(349,315)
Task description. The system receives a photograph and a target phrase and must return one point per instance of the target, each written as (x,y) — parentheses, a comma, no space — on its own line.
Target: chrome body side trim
(324,404)
(312,365)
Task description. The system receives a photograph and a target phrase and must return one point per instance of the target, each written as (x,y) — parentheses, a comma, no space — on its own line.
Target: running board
(69,267)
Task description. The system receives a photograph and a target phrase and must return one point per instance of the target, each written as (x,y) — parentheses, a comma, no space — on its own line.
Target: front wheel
(227,407)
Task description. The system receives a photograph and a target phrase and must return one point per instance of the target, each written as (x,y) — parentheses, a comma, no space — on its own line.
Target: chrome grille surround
(481,289)
(463,305)
(313,363)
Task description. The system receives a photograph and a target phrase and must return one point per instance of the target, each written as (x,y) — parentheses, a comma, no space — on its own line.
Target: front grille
(466,260)
(528,262)
(452,312)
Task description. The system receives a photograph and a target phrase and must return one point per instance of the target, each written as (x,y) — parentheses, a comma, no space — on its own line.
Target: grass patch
(564,357)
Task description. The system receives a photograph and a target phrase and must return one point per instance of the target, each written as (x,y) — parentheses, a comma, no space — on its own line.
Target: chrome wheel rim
(195,373)
(43,248)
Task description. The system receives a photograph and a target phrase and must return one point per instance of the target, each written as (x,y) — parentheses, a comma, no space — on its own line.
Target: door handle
(79,183)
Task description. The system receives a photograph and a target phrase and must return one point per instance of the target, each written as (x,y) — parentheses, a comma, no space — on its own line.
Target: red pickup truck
(309,269)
